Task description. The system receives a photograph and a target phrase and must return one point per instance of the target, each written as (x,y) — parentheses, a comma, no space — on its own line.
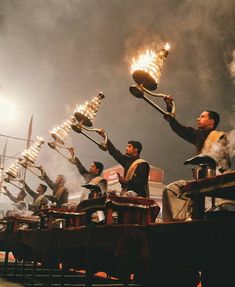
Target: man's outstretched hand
(72,152)
(168,117)
(101,132)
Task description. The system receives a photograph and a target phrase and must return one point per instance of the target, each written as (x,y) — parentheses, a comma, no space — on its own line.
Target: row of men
(136,170)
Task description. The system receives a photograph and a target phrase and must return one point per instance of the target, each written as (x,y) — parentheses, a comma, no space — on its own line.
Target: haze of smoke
(222,152)
(232,67)
(55,54)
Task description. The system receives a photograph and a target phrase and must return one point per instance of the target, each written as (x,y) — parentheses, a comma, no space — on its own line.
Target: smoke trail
(232,68)
(222,151)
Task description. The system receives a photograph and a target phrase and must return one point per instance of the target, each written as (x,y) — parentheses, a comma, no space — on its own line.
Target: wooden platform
(219,186)
(169,254)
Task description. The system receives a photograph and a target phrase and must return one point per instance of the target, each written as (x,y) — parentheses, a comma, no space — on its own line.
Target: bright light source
(8,110)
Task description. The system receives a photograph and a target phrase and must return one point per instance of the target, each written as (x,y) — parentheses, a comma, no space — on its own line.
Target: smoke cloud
(232,67)
(57,54)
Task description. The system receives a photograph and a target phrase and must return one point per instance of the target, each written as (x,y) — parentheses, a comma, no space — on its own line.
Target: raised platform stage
(163,254)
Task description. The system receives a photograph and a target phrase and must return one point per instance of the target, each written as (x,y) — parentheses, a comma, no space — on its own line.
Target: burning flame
(86,110)
(89,109)
(61,132)
(32,152)
(13,170)
(151,62)
(143,61)
(167,47)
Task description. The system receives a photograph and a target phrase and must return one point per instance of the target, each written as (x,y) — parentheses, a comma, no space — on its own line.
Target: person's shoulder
(223,137)
(219,134)
(143,162)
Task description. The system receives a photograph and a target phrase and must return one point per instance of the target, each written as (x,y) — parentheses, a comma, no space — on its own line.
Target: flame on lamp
(31,154)
(13,170)
(60,133)
(146,69)
(85,113)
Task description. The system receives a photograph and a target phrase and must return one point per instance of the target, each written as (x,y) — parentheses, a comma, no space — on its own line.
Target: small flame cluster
(89,109)
(13,170)
(61,132)
(31,154)
(83,116)
(151,62)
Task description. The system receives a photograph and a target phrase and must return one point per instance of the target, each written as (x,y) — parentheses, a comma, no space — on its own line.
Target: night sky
(56,54)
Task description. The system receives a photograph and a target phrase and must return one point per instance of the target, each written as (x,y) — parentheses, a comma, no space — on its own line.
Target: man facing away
(207,141)
(136,170)
(60,192)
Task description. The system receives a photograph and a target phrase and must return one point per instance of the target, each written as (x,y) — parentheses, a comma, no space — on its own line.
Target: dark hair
(63,178)
(43,186)
(99,165)
(136,145)
(214,116)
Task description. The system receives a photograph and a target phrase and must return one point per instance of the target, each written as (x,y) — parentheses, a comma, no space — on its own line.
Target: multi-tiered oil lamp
(13,174)
(85,114)
(60,134)
(30,155)
(146,72)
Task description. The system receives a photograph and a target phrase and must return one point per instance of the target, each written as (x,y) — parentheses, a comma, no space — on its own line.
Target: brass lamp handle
(9,180)
(56,146)
(139,90)
(170,104)
(79,129)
